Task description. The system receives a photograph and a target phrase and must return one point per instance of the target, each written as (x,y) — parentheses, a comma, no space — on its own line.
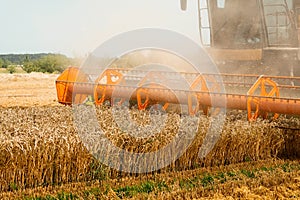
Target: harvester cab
(261,32)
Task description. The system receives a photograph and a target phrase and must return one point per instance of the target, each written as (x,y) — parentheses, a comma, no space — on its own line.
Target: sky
(76,27)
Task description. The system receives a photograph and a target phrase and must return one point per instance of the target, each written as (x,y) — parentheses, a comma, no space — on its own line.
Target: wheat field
(43,157)
(39,145)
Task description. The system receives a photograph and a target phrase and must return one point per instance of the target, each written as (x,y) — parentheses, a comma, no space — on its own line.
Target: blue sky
(77,27)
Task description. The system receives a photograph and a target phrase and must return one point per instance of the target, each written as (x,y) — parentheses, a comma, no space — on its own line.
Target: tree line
(37,62)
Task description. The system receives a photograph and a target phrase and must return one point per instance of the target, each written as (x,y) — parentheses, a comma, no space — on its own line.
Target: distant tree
(27,59)
(49,63)
(30,66)
(52,63)
(18,59)
(11,69)
(6,63)
(1,62)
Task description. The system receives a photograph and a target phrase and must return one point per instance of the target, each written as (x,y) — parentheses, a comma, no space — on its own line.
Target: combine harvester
(239,34)
(259,95)
(256,33)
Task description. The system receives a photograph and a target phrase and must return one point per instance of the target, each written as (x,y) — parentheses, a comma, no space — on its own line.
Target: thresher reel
(152,88)
(153,80)
(202,83)
(108,77)
(66,88)
(262,85)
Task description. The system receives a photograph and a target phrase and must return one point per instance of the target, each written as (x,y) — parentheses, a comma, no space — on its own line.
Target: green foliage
(13,187)
(66,196)
(127,191)
(207,180)
(98,171)
(38,62)
(188,183)
(286,167)
(49,63)
(59,196)
(162,185)
(1,62)
(267,169)
(11,69)
(146,187)
(19,59)
(4,63)
(248,159)
(222,177)
(52,63)
(231,174)
(249,174)
(96,192)
(30,66)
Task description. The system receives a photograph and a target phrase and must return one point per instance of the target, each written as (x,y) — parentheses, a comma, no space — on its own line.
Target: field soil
(34,89)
